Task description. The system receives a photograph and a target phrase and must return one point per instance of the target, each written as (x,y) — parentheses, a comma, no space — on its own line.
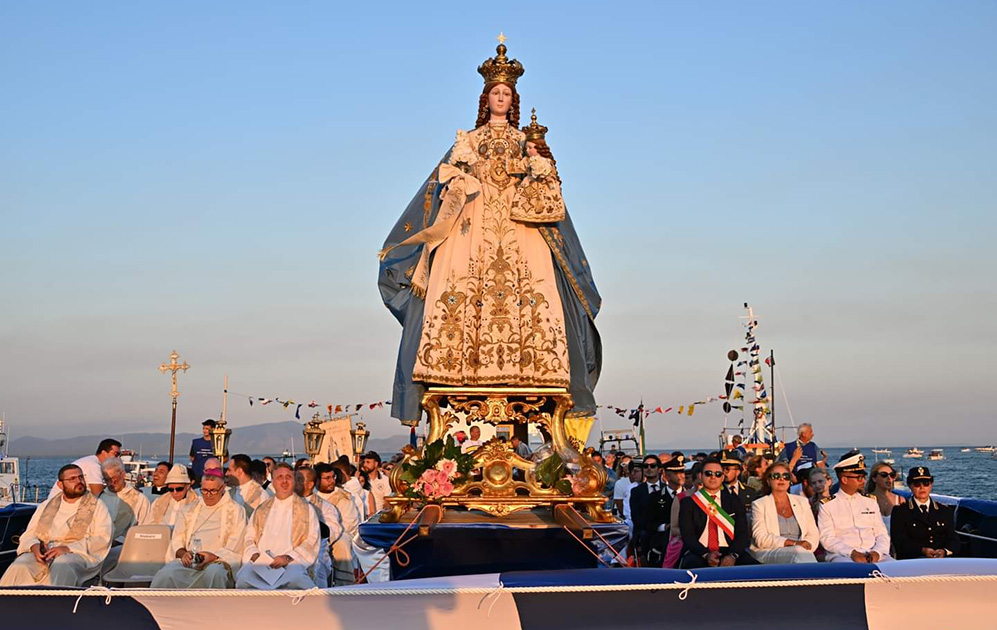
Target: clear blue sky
(217,178)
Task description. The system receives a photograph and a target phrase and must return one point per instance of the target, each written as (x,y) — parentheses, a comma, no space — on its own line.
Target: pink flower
(446,488)
(447,467)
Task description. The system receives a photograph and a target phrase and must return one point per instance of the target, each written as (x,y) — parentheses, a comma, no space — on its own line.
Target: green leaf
(550,470)
(563,486)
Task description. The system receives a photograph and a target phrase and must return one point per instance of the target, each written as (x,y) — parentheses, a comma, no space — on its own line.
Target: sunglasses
(180,489)
(713,473)
(786,476)
(650,465)
(917,484)
(884,474)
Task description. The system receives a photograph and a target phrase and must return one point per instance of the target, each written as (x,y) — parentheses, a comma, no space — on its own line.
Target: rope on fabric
(351,591)
(587,548)
(494,595)
(685,592)
(101,589)
(401,556)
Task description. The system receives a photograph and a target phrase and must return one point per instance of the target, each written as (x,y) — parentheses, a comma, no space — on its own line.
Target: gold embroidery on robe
(81,520)
(493,313)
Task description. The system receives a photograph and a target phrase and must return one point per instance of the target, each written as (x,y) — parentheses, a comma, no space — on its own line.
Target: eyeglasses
(786,476)
(713,473)
(861,475)
(919,483)
(180,489)
(73,478)
(212,492)
(650,465)
(884,474)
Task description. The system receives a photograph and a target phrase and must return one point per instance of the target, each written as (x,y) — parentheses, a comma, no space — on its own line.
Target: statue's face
(499,99)
(531,149)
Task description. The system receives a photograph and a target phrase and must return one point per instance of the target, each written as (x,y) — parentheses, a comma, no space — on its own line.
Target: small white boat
(882,451)
(965,450)
(914,453)
(936,454)
(984,449)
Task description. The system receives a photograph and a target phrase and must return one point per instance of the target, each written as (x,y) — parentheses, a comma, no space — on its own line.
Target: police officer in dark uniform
(651,509)
(733,466)
(921,527)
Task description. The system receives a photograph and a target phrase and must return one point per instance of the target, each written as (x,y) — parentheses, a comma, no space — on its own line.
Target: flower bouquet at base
(441,470)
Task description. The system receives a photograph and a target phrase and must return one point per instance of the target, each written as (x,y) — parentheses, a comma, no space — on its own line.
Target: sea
(969,475)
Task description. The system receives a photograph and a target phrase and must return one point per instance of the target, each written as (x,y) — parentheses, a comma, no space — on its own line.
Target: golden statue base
(504,482)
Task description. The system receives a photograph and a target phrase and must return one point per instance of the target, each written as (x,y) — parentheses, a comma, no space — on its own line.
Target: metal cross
(173,366)
(501,38)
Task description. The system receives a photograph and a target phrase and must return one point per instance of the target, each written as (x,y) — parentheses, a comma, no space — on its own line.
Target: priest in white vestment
(66,540)
(282,539)
(206,545)
(331,523)
(178,495)
(245,490)
(343,554)
(131,507)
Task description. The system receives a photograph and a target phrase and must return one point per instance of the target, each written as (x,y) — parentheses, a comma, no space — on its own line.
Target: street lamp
(219,440)
(359,435)
(314,436)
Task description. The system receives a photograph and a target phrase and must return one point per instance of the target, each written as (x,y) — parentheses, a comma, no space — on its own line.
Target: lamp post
(219,440)
(359,435)
(314,436)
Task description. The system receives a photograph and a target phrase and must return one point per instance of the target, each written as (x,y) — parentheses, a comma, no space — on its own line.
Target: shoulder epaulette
(826,499)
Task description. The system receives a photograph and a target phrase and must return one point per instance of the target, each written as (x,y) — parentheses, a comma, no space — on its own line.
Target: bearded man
(67,538)
(343,554)
(330,523)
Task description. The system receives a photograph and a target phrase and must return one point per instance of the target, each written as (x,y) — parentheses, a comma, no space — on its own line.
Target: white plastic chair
(142,555)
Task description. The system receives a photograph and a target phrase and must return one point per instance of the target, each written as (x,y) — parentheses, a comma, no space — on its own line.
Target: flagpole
(772,402)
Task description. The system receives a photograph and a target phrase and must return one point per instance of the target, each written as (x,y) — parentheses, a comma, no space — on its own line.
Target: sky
(217,179)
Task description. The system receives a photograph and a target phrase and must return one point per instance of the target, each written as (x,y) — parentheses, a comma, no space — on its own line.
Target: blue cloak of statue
(577,290)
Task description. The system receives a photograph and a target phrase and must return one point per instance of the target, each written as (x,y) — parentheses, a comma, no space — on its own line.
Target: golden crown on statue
(499,69)
(534,130)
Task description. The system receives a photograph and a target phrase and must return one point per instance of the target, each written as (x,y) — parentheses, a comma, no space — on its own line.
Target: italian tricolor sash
(714,512)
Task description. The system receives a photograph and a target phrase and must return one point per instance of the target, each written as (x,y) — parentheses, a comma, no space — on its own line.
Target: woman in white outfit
(782,524)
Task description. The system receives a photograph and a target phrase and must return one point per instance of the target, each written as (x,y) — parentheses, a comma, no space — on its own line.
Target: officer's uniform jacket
(911,529)
(852,522)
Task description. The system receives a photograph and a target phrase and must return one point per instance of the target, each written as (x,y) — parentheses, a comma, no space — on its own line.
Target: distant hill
(270,438)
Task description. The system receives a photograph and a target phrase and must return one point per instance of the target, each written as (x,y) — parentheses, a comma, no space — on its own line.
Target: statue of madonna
(484,269)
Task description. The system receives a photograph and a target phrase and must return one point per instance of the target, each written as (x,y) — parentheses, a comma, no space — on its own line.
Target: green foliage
(551,472)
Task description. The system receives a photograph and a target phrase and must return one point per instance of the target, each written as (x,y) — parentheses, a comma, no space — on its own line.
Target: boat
(10,473)
(623,441)
(760,436)
(914,453)
(137,470)
(985,449)
(936,454)
(965,450)
(882,451)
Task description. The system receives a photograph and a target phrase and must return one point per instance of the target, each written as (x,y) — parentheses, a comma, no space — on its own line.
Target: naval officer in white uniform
(850,524)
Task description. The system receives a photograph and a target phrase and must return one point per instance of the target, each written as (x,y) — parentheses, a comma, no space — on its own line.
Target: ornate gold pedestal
(498,490)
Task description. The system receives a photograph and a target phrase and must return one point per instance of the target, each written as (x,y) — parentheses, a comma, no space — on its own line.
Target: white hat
(177,474)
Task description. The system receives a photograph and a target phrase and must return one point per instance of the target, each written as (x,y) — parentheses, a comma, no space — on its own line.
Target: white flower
(462,152)
(540,166)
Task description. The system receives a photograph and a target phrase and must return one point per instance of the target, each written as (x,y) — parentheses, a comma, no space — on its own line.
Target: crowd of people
(263,524)
(255,524)
(727,508)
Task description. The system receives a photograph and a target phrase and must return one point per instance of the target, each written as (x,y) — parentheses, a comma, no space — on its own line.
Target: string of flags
(287,403)
(642,411)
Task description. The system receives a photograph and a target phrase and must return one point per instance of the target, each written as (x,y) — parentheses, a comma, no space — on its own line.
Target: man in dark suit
(713,524)
(650,508)
(733,467)
(920,527)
